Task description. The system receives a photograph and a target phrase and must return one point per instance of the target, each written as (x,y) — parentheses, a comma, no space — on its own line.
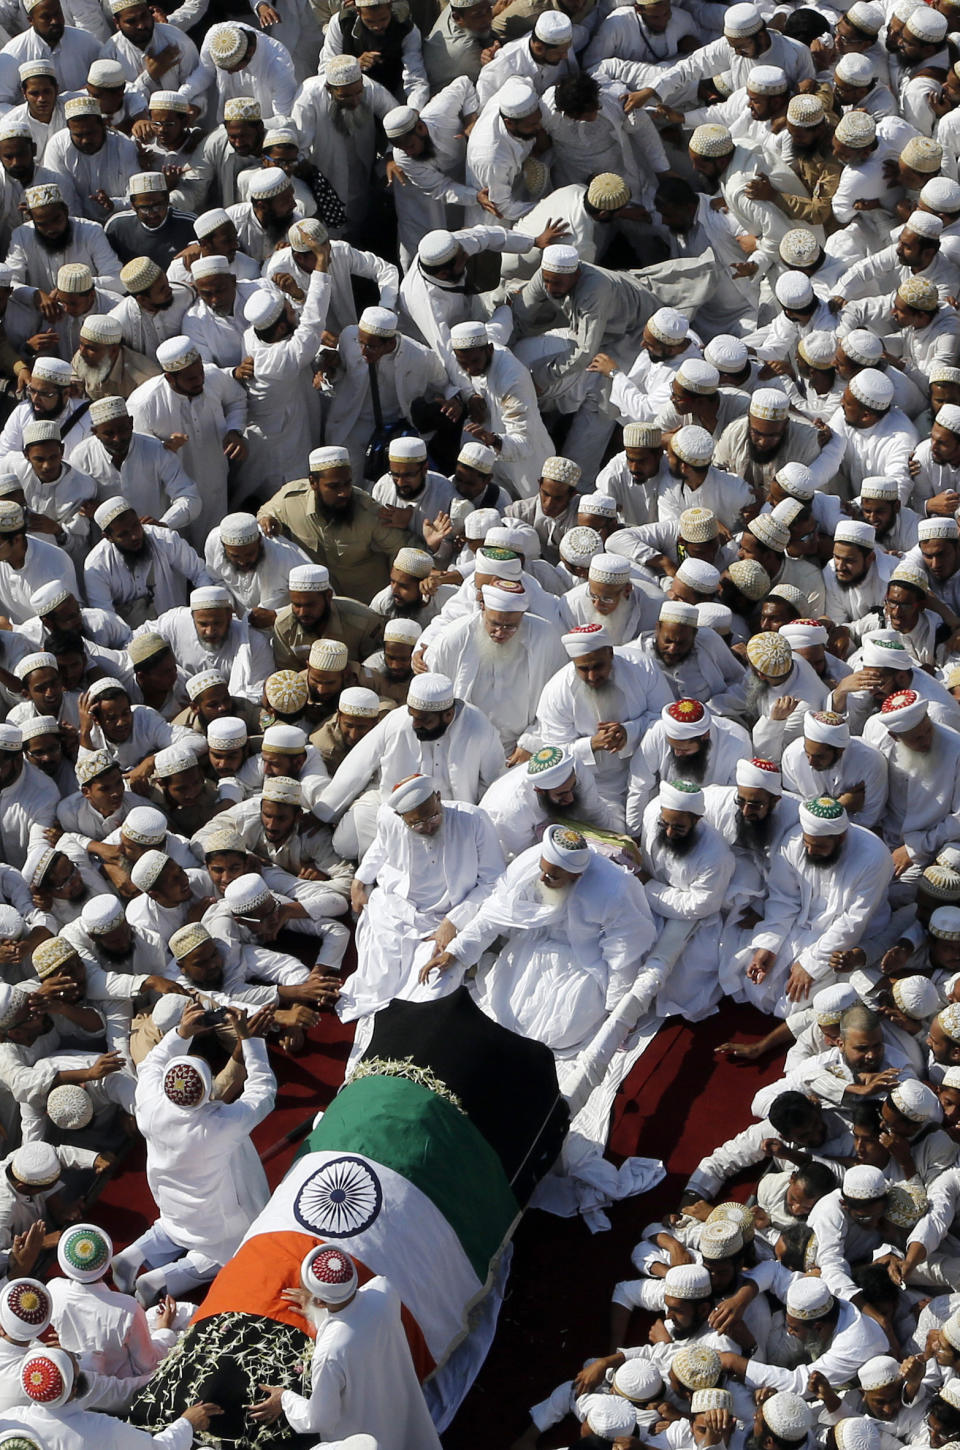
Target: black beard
(754,835)
(847,584)
(117,956)
(680,846)
(690,767)
(431,732)
(56,244)
(761,455)
(342,515)
(163,306)
(277,227)
(132,556)
(821,861)
(396,610)
(428,150)
(560,813)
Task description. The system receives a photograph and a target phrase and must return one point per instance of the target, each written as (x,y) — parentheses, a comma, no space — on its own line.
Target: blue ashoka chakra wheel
(341,1199)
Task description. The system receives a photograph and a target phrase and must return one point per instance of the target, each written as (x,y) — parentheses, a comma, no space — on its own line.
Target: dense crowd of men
(479,485)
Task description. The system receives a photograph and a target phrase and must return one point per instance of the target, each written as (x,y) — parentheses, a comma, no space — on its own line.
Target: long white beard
(551,895)
(498,656)
(606,701)
(615,624)
(922,767)
(88,375)
(348,123)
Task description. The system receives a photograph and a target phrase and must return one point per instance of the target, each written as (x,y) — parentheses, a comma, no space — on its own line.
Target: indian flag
(399,1178)
(419,1170)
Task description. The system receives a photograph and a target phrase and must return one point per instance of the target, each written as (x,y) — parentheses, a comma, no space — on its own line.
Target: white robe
(465,759)
(858,762)
(150,478)
(244,658)
(812,911)
(362,1377)
(520,818)
(564,967)
(284,421)
(506,683)
(68,1428)
(420,880)
(923,791)
(108,1330)
(568,714)
(44,563)
(686,894)
(158,583)
(202,1169)
(220,409)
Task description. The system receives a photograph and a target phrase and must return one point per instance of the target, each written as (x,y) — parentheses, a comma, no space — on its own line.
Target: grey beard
(754,689)
(499,656)
(615,624)
(90,376)
(348,123)
(606,700)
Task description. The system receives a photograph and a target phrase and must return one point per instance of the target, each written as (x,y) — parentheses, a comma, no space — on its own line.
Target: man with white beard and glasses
(609,597)
(577,928)
(687,868)
(828,882)
(923,783)
(500,660)
(695,662)
(600,705)
(550,789)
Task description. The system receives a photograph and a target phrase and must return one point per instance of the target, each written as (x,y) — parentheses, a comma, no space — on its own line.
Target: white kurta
(220,409)
(570,711)
(151,478)
(463,761)
(108,1330)
(244,658)
(35,265)
(520,817)
(504,681)
(266,585)
(812,911)
(420,880)
(156,584)
(362,1377)
(44,563)
(202,1169)
(566,966)
(284,422)
(858,762)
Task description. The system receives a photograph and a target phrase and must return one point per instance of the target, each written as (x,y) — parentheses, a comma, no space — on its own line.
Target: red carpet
(678,1102)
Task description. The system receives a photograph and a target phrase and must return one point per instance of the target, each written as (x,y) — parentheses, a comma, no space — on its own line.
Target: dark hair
(674,191)
(66,642)
(946,1413)
(796,1237)
(816,1179)
(792,1110)
(867,1115)
(576,94)
(805,25)
(877,1288)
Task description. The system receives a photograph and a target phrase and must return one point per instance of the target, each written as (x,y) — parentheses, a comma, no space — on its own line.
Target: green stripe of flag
(406,1127)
